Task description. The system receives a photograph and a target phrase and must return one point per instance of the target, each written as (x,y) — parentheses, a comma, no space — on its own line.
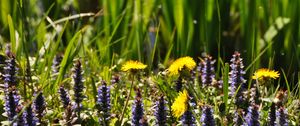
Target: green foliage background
(154,31)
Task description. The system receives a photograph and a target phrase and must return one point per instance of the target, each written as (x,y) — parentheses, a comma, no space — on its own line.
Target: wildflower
(67,105)
(28,116)
(184,62)
(39,106)
(12,105)
(265,73)
(133,66)
(137,110)
(78,85)
(238,118)
(199,68)
(236,75)
(272,115)
(56,64)
(252,117)
(10,71)
(282,115)
(64,97)
(208,71)
(2,64)
(254,95)
(188,119)
(12,98)
(193,74)
(161,112)
(103,102)
(8,50)
(180,104)
(68,116)
(207,117)
(115,79)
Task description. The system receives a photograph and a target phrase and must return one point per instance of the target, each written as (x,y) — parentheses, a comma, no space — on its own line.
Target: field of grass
(196,62)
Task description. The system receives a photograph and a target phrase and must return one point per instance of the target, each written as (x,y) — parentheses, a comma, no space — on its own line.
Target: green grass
(104,34)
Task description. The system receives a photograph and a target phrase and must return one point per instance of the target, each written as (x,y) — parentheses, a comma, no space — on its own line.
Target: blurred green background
(266,32)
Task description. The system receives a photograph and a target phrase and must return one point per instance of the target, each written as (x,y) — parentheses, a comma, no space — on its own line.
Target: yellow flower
(180,63)
(133,65)
(180,104)
(265,73)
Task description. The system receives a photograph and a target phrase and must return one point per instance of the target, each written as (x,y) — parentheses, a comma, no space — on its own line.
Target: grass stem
(127,99)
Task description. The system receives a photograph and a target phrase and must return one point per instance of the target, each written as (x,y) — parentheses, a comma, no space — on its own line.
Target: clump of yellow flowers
(264,73)
(133,66)
(183,62)
(180,104)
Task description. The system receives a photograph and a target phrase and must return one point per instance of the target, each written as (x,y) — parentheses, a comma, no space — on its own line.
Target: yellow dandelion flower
(180,63)
(265,73)
(180,104)
(133,65)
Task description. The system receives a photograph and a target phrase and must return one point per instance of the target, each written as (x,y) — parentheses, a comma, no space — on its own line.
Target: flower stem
(127,100)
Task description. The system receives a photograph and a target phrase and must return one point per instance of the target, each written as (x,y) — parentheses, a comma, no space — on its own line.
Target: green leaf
(67,60)
(225,84)
(12,34)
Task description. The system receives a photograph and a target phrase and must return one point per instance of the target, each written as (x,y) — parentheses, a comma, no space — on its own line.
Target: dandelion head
(183,62)
(180,104)
(264,73)
(133,66)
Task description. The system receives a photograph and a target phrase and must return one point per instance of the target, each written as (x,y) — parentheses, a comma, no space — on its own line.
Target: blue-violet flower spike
(207,117)
(137,110)
(103,103)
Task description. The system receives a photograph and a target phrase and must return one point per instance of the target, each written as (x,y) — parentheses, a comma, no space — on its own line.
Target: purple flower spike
(161,112)
(207,117)
(238,118)
(78,86)
(28,117)
(252,117)
(282,115)
(137,110)
(188,119)
(12,105)
(64,97)
(208,71)
(103,103)
(10,71)
(236,75)
(39,106)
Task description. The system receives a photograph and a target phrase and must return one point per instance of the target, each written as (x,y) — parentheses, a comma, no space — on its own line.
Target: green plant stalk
(226,85)
(127,99)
